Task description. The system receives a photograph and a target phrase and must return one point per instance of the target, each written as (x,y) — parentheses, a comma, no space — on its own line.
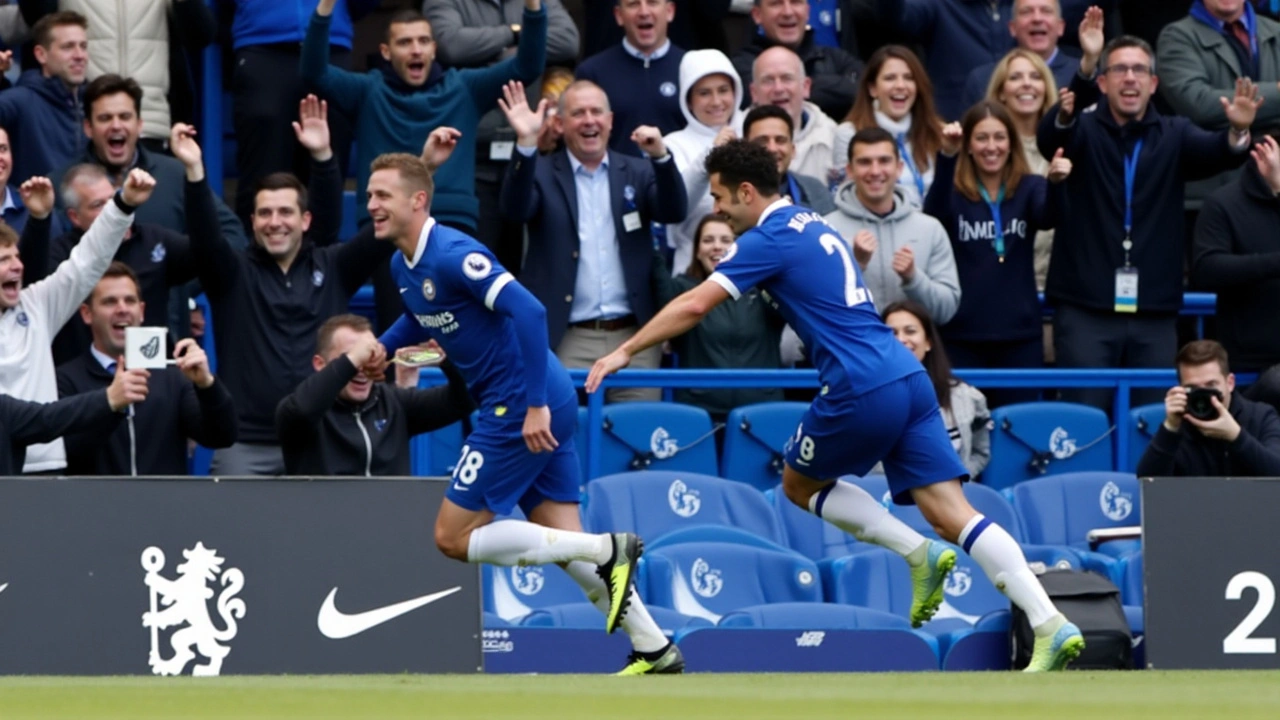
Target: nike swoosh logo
(2,587)
(337,625)
(404,290)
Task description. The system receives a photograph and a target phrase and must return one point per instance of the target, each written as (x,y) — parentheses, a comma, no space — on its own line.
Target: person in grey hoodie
(904,254)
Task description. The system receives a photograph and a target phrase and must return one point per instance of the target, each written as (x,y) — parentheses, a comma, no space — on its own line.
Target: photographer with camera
(1208,429)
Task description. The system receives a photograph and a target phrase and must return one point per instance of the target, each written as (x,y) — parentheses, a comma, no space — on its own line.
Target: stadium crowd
(972,155)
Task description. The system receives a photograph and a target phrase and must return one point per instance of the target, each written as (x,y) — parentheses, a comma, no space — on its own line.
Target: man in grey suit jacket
(1199,59)
(589,212)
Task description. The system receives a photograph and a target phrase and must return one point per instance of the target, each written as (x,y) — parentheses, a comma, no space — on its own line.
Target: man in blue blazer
(589,212)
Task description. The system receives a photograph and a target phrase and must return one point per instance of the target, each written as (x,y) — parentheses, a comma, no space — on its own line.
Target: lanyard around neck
(1130,173)
(996,216)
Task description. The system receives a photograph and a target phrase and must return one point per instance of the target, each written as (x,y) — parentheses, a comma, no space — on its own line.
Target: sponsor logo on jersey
(445,322)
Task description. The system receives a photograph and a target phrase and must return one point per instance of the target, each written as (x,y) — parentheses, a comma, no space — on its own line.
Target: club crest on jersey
(476,266)
(317,278)
(428,289)
(157,254)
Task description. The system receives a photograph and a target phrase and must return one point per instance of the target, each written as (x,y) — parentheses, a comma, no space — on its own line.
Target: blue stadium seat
(754,438)
(709,580)
(513,592)
(657,436)
(656,502)
(1143,423)
(489,620)
(1062,509)
(712,533)
(880,579)
(435,453)
(1133,587)
(809,535)
(808,616)
(1031,440)
(985,500)
(585,616)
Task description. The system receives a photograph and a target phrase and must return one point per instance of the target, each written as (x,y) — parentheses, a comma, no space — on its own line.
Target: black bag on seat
(1092,602)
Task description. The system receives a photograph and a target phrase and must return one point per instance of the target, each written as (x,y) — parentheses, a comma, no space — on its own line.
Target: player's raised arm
(677,318)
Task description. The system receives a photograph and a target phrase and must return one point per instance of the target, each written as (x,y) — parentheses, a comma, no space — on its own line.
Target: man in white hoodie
(904,254)
(31,316)
(710,95)
(778,78)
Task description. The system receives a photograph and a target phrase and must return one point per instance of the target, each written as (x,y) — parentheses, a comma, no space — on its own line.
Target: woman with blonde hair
(896,94)
(1024,85)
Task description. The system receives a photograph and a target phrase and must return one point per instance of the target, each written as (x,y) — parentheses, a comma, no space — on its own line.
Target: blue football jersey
(806,268)
(450,288)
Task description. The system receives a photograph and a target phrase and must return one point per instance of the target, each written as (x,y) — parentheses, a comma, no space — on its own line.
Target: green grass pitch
(944,696)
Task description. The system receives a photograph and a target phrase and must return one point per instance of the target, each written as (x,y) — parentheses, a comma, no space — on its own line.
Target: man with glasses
(1115,277)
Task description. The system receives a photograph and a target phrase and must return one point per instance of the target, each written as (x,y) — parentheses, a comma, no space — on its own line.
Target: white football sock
(516,542)
(1005,565)
(637,623)
(853,510)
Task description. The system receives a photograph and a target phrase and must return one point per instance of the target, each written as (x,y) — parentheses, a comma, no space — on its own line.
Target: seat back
(1031,440)
(807,616)
(754,439)
(1062,509)
(436,453)
(985,500)
(1133,589)
(709,580)
(808,534)
(1143,423)
(652,503)
(657,436)
(881,579)
(513,592)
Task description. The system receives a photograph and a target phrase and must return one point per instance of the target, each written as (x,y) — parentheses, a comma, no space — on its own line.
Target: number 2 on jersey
(853,295)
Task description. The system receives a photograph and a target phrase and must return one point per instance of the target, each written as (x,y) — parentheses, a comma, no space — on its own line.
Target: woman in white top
(710,97)
(895,93)
(1023,83)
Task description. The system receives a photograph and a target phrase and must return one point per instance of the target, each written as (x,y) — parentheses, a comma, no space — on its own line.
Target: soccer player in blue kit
(521,452)
(876,402)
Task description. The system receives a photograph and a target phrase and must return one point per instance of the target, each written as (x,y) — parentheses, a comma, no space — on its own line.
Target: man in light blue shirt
(589,212)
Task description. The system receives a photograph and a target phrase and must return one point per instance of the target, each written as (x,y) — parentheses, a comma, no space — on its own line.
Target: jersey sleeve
(479,272)
(753,259)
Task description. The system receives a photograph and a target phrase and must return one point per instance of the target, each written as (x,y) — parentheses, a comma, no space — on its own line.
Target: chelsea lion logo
(668,89)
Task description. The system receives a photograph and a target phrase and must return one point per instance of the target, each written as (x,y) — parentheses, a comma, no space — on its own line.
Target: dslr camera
(1199,402)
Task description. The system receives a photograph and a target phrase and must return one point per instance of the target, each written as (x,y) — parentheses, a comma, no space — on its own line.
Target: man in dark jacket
(42,113)
(268,301)
(184,402)
(1232,437)
(833,71)
(1236,254)
(342,421)
(25,423)
(589,212)
(1116,272)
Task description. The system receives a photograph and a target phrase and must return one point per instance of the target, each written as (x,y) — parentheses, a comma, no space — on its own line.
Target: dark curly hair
(739,161)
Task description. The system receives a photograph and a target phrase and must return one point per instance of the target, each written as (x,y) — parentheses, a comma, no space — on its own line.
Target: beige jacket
(131,38)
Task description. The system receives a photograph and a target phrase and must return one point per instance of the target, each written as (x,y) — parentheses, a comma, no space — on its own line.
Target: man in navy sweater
(42,113)
(1116,272)
(641,75)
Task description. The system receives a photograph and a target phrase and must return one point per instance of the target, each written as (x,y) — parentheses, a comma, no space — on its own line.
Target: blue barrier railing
(1119,381)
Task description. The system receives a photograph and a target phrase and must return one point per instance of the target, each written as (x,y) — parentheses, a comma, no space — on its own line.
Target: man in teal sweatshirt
(394,108)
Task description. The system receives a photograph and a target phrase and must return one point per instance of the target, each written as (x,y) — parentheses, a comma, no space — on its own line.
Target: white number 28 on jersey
(853,295)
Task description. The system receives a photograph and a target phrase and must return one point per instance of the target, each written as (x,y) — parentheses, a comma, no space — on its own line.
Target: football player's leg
(652,652)
(494,472)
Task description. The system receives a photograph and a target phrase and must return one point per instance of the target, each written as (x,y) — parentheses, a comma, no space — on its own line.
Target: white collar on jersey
(775,205)
(427,227)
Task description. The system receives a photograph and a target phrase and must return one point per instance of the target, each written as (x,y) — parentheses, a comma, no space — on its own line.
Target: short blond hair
(413,171)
